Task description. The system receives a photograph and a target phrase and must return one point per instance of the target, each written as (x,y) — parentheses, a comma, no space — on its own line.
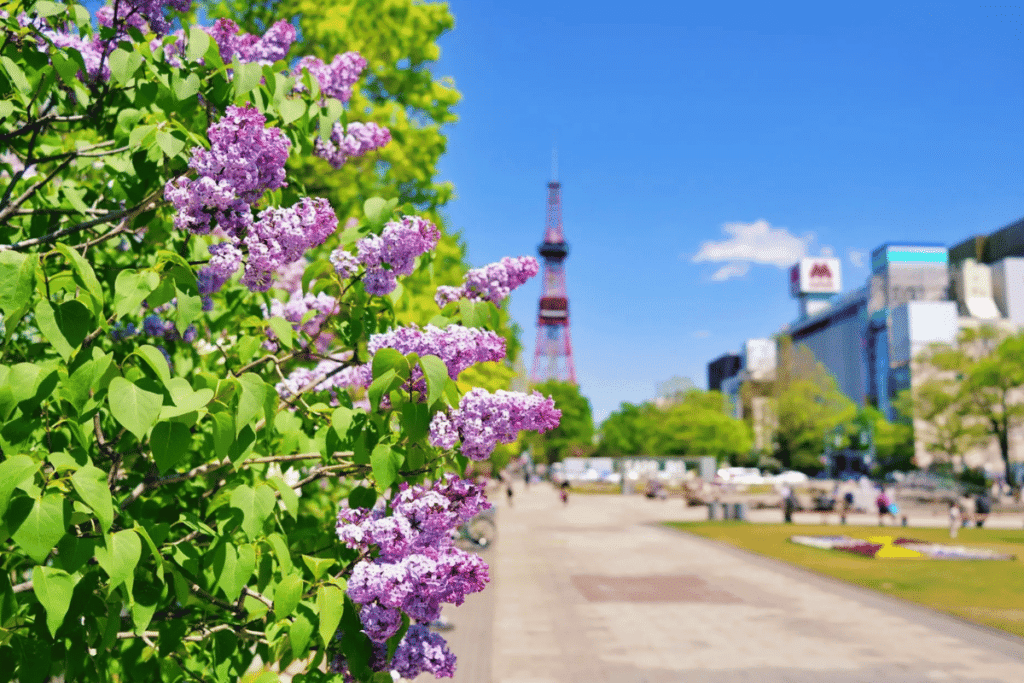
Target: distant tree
(575,432)
(807,404)
(984,375)
(698,423)
(625,431)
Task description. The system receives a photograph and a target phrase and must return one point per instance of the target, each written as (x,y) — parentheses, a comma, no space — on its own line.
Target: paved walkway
(595,592)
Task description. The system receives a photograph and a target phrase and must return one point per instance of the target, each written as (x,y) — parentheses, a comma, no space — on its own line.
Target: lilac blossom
(345,263)
(354,141)
(482,420)
(335,79)
(289,276)
(273,46)
(282,235)
(394,252)
(328,375)
(412,564)
(423,651)
(295,311)
(459,347)
(494,282)
(225,258)
(245,153)
(245,160)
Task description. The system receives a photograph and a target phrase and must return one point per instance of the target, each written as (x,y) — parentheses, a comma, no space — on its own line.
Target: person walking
(954,518)
(884,504)
(563,491)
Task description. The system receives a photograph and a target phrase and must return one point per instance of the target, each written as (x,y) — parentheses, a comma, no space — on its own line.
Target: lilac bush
(199,367)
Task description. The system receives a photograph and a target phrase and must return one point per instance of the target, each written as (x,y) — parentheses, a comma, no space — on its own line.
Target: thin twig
(32,190)
(50,118)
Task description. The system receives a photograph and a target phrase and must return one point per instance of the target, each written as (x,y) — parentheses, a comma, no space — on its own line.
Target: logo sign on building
(815,276)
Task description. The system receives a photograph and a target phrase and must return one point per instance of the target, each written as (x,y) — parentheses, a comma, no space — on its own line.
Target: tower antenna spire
(554,163)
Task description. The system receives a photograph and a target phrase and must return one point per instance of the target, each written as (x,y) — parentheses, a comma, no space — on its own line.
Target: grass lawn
(989,592)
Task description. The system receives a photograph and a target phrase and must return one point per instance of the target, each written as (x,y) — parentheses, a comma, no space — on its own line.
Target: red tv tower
(552,356)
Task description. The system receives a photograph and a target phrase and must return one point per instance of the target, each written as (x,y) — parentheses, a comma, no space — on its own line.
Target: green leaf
(384,462)
(16,75)
(318,565)
(13,472)
(282,330)
(84,271)
(91,484)
(187,87)
(135,409)
(389,359)
(169,144)
(250,400)
(246,77)
(45,523)
(256,506)
(169,443)
(287,595)
(362,497)
(119,557)
(64,326)
(330,605)
(190,309)
(415,421)
(223,434)
(198,44)
(45,8)
(156,360)
(436,373)
(137,137)
(291,110)
(123,65)
(185,400)
(53,589)
(17,273)
(387,382)
(300,631)
(131,288)
(288,495)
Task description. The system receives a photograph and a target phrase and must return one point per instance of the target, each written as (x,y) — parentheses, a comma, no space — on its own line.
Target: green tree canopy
(697,423)
(575,432)
(807,404)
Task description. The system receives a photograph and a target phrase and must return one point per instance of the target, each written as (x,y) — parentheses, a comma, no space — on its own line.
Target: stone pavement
(596,592)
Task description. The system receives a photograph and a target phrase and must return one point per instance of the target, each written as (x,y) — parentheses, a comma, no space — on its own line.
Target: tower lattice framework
(552,356)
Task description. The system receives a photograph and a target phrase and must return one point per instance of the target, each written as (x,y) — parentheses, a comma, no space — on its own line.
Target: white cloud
(701,334)
(748,243)
(857,258)
(827,251)
(730,270)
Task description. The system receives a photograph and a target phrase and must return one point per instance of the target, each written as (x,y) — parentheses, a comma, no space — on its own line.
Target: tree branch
(49,118)
(32,190)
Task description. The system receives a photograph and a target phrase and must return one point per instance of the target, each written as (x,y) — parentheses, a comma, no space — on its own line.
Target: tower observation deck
(552,357)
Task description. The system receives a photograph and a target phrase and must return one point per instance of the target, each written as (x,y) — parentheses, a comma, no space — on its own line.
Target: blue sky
(689,130)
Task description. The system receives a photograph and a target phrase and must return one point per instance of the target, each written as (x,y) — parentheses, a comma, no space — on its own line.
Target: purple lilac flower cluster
(330,375)
(394,252)
(345,263)
(483,419)
(245,160)
(296,309)
(493,282)
(271,47)
(335,79)
(353,141)
(416,567)
(459,347)
(282,235)
(144,15)
(420,651)
(140,13)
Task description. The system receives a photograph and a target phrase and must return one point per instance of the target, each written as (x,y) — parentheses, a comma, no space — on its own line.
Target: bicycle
(480,532)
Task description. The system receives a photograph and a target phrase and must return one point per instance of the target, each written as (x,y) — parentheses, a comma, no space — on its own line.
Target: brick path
(562,608)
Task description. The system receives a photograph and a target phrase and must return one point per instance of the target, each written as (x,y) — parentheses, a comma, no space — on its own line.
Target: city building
(917,294)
